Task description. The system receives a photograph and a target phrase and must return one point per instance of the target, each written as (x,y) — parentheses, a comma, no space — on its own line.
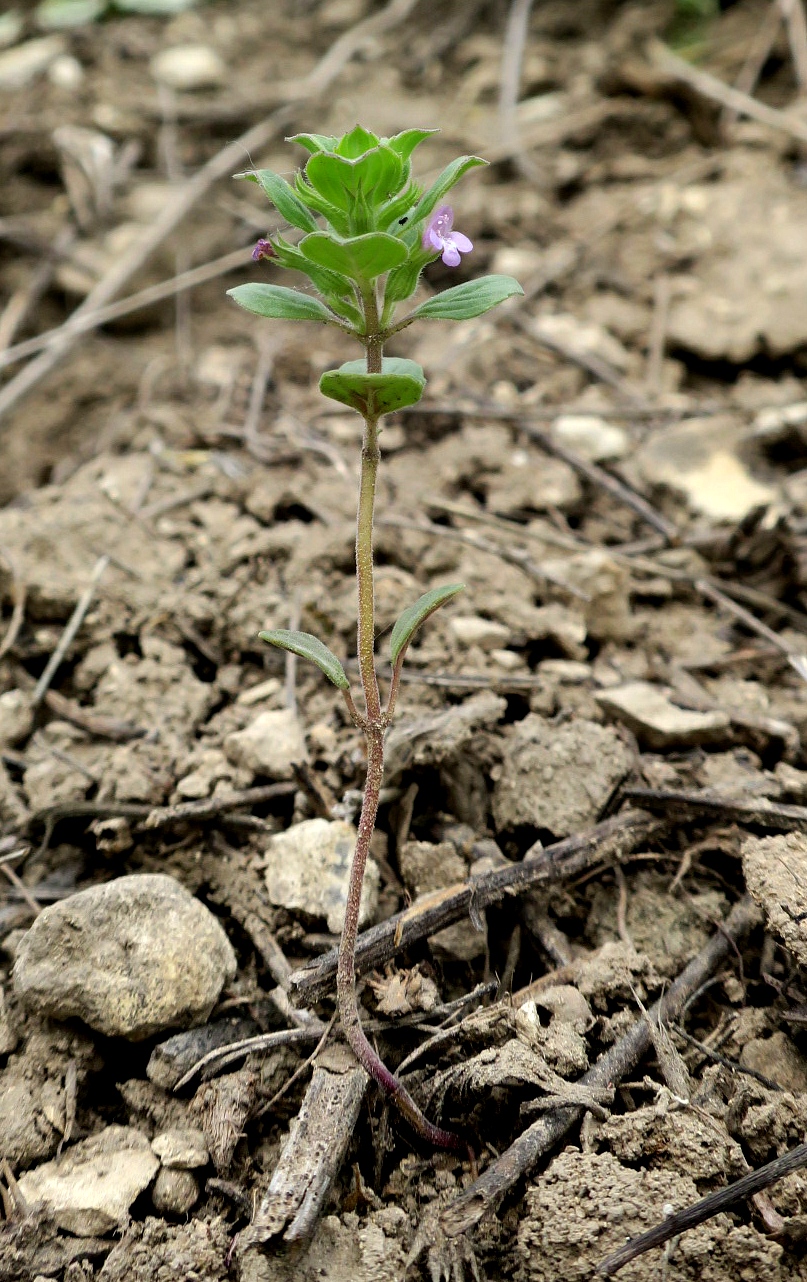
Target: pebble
(182,1148)
(699,459)
(22,64)
(174,1192)
(188,67)
(16,717)
(471,629)
(308,867)
(590,436)
(66,72)
(558,777)
(659,723)
(130,957)
(88,1189)
(271,745)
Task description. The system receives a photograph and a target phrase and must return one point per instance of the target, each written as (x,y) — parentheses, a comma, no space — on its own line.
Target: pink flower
(263,249)
(439,236)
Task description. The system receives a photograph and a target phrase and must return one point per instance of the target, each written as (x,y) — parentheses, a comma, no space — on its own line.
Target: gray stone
(308,867)
(558,777)
(182,1148)
(89,1189)
(774,874)
(131,957)
(272,745)
(659,723)
(174,1192)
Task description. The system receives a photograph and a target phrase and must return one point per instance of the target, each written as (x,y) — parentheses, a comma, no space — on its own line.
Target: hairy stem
(375,723)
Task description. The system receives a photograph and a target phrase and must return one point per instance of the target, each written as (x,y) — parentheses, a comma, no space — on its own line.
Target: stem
(374,723)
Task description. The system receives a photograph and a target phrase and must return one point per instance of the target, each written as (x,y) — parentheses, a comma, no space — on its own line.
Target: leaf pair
(310,647)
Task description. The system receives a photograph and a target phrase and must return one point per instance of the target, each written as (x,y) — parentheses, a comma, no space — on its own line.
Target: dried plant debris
(616,472)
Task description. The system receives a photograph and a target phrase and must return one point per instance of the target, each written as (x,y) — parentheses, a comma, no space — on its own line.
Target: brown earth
(178,473)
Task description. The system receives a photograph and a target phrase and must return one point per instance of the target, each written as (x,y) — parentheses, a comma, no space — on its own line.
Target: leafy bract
(399,384)
(463,302)
(283,197)
(414,615)
(447,179)
(279,303)
(359,257)
(309,647)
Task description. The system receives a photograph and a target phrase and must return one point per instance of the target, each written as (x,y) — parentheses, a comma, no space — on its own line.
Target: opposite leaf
(414,615)
(400,383)
(283,197)
(309,647)
(463,302)
(279,303)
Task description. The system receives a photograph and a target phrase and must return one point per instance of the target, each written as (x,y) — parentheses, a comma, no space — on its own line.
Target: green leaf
(414,615)
(360,257)
(376,174)
(314,142)
(283,197)
(279,303)
(448,179)
(56,15)
(309,647)
(354,144)
(463,302)
(399,384)
(405,143)
(402,283)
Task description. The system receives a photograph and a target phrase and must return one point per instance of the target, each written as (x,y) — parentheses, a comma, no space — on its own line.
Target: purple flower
(263,249)
(439,236)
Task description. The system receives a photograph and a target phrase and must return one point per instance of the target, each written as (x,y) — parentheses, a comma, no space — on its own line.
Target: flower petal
(463,244)
(433,240)
(451,255)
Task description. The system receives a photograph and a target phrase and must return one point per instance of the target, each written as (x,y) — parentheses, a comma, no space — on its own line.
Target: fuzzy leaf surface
(399,384)
(309,647)
(474,298)
(361,257)
(279,303)
(414,615)
(283,197)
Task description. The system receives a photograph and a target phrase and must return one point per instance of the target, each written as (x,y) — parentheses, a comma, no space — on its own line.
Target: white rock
(699,459)
(131,957)
(16,716)
(174,1192)
(183,1148)
(648,710)
(271,745)
(66,72)
(590,436)
(188,67)
(89,1189)
(23,63)
(470,629)
(308,867)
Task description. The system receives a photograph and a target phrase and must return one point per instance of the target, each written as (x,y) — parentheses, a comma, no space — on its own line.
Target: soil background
(614,465)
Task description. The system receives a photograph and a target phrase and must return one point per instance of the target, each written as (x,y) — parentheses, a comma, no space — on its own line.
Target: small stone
(659,723)
(66,72)
(590,436)
(558,777)
(22,64)
(308,868)
(174,1192)
(699,459)
(607,585)
(182,1148)
(507,659)
(131,957)
(188,67)
(89,1189)
(774,874)
(271,745)
(16,717)
(471,629)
